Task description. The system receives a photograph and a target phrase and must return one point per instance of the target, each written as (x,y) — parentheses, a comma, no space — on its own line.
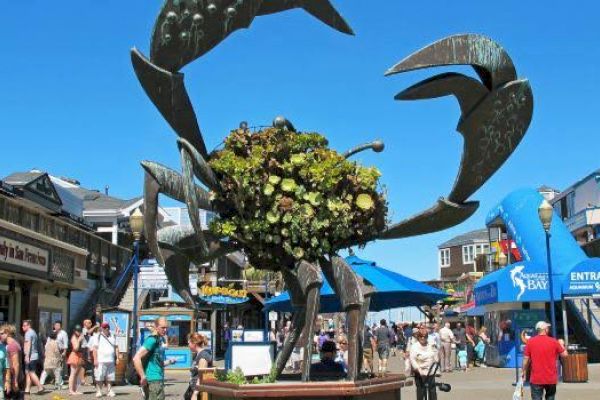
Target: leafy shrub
(288,196)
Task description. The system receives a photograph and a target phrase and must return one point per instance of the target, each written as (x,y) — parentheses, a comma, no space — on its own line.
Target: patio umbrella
(392,290)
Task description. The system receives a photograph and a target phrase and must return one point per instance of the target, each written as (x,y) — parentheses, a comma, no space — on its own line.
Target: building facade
(47,256)
(579,208)
(463,254)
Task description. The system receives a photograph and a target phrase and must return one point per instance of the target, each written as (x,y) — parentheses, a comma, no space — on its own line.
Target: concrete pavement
(478,383)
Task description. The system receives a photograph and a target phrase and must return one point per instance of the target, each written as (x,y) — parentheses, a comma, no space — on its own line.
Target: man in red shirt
(540,355)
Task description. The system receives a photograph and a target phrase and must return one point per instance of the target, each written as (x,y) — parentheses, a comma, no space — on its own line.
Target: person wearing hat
(540,355)
(327,367)
(104,350)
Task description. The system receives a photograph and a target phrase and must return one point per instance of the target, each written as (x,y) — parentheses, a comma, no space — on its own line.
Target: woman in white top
(422,356)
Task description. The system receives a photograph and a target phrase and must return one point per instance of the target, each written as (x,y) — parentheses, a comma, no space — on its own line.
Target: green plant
(287,196)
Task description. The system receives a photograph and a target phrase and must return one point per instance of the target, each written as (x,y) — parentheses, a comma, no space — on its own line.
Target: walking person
(53,363)
(383,339)
(198,344)
(104,349)
(460,335)
(62,338)
(471,336)
(75,361)
(4,367)
(423,356)
(32,356)
(89,333)
(540,356)
(152,375)
(368,350)
(481,347)
(447,339)
(14,353)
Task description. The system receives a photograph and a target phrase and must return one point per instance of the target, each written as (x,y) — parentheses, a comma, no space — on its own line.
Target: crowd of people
(26,363)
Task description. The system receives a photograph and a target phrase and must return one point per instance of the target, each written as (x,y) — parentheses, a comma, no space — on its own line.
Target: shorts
(383,351)
(31,366)
(368,354)
(154,390)
(105,371)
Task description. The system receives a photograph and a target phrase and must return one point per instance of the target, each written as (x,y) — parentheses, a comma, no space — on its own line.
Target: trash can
(575,365)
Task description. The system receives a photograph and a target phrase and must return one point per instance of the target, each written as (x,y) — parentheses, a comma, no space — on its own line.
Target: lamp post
(136,222)
(545,212)
(502,259)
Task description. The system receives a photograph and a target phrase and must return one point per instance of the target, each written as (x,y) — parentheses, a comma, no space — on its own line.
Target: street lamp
(545,212)
(502,259)
(136,222)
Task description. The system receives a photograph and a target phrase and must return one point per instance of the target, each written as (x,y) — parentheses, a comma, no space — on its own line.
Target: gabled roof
(20,179)
(37,183)
(477,236)
(92,199)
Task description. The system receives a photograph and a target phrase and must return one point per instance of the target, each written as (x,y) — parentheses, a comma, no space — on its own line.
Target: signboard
(23,255)
(237,335)
(272,315)
(252,358)
(119,326)
(182,357)
(583,280)
(223,295)
(254,336)
(154,277)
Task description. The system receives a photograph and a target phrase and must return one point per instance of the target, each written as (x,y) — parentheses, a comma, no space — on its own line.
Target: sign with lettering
(23,255)
(223,295)
(583,280)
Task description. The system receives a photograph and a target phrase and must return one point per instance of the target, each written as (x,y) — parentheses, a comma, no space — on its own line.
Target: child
(462,358)
(53,360)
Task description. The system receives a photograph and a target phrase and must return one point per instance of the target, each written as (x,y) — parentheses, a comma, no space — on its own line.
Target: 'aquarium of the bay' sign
(223,295)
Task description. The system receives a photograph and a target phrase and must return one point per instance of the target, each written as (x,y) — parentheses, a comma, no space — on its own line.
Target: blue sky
(70,103)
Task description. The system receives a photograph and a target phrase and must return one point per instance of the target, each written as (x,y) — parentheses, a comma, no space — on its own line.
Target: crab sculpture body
(285,198)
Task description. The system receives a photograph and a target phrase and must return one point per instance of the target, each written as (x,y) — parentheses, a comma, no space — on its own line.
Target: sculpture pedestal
(387,388)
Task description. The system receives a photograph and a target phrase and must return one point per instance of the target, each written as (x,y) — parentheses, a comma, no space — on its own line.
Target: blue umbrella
(392,290)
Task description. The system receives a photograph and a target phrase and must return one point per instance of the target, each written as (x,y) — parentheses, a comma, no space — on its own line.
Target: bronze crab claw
(495,114)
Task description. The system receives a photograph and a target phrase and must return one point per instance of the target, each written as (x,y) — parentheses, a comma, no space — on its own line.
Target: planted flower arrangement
(290,196)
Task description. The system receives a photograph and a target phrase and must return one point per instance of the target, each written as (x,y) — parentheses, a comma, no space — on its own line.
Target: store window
(468,254)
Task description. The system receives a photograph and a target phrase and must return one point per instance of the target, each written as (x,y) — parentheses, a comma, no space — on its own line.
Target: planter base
(387,388)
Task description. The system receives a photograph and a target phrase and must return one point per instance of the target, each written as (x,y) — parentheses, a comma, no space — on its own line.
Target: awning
(392,290)
(583,280)
(524,281)
(477,311)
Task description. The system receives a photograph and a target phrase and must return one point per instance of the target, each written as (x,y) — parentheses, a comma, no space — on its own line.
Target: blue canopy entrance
(583,280)
(392,290)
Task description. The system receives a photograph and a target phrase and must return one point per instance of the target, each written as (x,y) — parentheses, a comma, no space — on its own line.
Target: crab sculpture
(495,113)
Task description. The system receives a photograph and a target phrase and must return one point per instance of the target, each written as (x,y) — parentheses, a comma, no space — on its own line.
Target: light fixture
(545,211)
(136,222)
(502,259)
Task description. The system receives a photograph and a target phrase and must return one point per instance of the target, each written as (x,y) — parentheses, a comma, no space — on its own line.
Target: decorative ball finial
(279,122)
(378,146)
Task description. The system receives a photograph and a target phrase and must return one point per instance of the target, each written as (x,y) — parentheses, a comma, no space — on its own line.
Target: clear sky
(70,103)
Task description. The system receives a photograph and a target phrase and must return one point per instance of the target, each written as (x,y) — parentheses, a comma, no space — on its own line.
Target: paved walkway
(477,384)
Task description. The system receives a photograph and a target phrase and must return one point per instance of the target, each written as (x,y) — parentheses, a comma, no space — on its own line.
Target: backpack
(131,375)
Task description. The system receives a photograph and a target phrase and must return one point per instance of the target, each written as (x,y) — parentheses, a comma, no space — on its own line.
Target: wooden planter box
(387,388)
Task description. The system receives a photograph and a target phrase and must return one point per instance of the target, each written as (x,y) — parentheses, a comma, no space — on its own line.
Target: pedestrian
(540,356)
(89,333)
(460,335)
(53,362)
(75,361)
(481,347)
(447,340)
(342,352)
(14,354)
(198,344)
(423,356)
(62,338)
(327,368)
(462,357)
(152,374)
(368,350)
(433,337)
(104,350)
(471,337)
(32,356)
(4,370)
(383,338)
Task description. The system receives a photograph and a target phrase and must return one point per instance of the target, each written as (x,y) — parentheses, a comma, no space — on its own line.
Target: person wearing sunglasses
(152,376)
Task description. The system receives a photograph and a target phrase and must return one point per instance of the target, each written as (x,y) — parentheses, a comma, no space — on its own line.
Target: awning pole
(565,325)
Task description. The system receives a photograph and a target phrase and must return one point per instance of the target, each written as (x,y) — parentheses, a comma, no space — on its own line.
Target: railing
(62,268)
(590,317)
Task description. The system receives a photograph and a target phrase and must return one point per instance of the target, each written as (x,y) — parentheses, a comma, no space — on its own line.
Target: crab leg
(303,286)
(180,248)
(200,167)
(190,197)
(161,179)
(347,286)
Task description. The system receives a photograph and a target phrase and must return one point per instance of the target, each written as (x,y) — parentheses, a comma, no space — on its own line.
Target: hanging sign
(223,295)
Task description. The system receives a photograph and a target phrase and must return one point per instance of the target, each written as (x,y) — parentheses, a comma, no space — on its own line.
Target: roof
(22,178)
(479,235)
(546,188)
(92,199)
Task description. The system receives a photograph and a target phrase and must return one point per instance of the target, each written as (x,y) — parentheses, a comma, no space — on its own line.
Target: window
(482,249)
(444,258)
(570,204)
(468,254)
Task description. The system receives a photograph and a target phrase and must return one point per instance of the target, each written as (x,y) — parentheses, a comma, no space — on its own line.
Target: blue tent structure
(391,290)
(523,281)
